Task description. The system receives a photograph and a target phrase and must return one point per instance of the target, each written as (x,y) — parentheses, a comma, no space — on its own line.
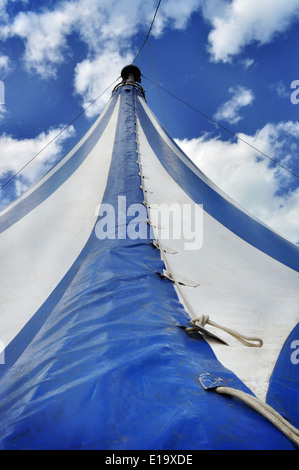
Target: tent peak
(131,76)
(131,73)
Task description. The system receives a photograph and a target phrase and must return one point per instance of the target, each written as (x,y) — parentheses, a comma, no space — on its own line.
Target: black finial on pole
(132,73)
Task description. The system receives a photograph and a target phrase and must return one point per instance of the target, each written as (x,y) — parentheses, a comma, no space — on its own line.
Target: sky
(235,61)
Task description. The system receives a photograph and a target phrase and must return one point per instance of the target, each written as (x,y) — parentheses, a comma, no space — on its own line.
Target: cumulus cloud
(5,65)
(251,180)
(280,89)
(95,75)
(247,63)
(3,14)
(230,110)
(106,28)
(44,35)
(2,112)
(234,25)
(242,22)
(16,153)
(99,25)
(174,14)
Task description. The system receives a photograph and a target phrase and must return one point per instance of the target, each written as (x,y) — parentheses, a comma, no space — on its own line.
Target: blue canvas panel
(284,382)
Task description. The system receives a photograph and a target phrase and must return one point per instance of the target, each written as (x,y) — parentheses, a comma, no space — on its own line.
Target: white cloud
(242,22)
(102,26)
(229,111)
(5,65)
(247,63)
(2,111)
(16,153)
(250,179)
(233,24)
(44,37)
(174,14)
(281,90)
(106,27)
(3,14)
(95,75)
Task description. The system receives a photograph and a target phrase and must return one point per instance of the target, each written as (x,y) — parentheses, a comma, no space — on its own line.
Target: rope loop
(246,340)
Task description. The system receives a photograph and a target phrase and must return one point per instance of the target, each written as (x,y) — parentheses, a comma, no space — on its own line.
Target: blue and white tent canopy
(97,295)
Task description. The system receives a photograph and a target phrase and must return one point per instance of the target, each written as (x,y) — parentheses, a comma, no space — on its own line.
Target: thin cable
(225,128)
(57,135)
(148,33)
(149,50)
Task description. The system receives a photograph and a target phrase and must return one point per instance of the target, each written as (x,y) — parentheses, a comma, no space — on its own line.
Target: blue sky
(233,60)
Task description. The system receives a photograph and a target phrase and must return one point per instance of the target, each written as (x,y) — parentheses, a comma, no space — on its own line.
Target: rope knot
(202,320)
(247,340)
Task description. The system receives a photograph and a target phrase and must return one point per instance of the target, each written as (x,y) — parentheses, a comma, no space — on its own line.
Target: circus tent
(141,307)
